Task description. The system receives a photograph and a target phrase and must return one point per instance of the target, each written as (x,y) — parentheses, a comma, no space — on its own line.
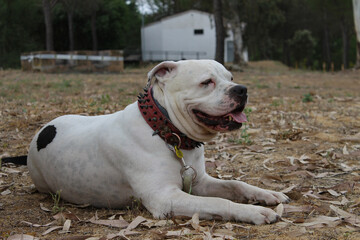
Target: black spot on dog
(46,136)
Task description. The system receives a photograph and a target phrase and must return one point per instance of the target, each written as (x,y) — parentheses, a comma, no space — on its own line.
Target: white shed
(186,35)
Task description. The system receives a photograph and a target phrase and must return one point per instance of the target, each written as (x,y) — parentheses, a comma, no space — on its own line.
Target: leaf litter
(310,151)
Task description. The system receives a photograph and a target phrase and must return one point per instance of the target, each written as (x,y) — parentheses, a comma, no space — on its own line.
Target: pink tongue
(238,117)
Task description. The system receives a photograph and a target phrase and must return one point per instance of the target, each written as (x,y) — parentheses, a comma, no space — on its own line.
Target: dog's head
(199,96)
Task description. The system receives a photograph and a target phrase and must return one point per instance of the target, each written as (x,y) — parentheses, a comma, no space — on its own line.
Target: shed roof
(179,15)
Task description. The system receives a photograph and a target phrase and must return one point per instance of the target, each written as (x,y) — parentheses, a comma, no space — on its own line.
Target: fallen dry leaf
(288,189)
(181,232)
(111,223)
(66,215)
(355,204)
(327,137)
(6,192)
(299,232)
(128,231)
(10,170)
(37,225)
(266,167)
(321,221)
(346,216)
(347,168)
(44,208)
(333,193)
(304,174)
(157,223)
(135,223)
(5,186)
(51,230)
(292,209)
(81,238)
(352,138)
(66,227)
(21,237)
(195,223)
(280,209)
(303,159)
(123,233)
(224,233)
(345,151)
(315,195)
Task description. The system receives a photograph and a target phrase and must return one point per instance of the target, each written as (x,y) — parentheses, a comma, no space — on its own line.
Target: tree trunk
(237,29)
(70,15)
(93,31)
(326,43)
(220,36)
(345,42)
(356,8)
(48,25)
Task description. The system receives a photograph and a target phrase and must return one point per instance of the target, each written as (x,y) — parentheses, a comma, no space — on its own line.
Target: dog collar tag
(188,174)
(187,183)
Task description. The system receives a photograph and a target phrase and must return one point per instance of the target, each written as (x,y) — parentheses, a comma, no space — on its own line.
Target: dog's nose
(238,91)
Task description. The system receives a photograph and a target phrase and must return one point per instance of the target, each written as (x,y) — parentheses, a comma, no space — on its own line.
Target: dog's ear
(161,70)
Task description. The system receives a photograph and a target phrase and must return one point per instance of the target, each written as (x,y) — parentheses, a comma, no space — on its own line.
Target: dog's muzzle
(239,94)
(233,119)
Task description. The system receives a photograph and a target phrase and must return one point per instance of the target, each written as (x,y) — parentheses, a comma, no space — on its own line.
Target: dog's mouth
(224,123)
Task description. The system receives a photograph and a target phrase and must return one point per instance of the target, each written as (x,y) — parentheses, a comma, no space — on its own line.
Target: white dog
(153,149)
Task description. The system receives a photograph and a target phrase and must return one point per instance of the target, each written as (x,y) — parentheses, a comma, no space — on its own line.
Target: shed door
(230,51)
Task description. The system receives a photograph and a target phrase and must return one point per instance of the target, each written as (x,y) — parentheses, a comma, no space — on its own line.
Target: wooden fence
(75,61)
(172,55)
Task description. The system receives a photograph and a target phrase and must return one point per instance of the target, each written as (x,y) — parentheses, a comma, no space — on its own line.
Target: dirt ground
(303,138)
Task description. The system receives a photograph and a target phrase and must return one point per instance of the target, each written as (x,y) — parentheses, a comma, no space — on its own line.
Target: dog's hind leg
(36,174)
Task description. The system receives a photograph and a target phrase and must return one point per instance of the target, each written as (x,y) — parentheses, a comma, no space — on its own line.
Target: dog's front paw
(261,215)
(269,197)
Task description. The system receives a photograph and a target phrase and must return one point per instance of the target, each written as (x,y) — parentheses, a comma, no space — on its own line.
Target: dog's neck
(158,119)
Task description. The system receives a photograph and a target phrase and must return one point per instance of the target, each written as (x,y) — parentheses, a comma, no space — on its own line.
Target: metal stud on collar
(159,122)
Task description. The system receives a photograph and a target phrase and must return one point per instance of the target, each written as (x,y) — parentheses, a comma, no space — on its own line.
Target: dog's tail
(19,160)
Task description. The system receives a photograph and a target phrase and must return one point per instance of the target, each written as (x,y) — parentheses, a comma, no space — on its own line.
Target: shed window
(198,31)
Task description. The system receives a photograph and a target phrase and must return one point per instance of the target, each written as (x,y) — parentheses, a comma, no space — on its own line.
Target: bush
(302,46)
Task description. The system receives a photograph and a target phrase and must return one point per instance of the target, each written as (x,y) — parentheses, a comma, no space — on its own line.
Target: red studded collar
(161,124)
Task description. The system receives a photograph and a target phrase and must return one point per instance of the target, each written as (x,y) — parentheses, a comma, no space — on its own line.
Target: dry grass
(303,132)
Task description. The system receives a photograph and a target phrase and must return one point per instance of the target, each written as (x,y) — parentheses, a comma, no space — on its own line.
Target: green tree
(263,19)
(118,25)
(302,46)
(356,6)
(48,5)
(90,8)
(20,30)
(71,7)
(107,24)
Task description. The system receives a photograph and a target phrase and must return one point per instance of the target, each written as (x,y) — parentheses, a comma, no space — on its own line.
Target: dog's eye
(207,82)
(232,79)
